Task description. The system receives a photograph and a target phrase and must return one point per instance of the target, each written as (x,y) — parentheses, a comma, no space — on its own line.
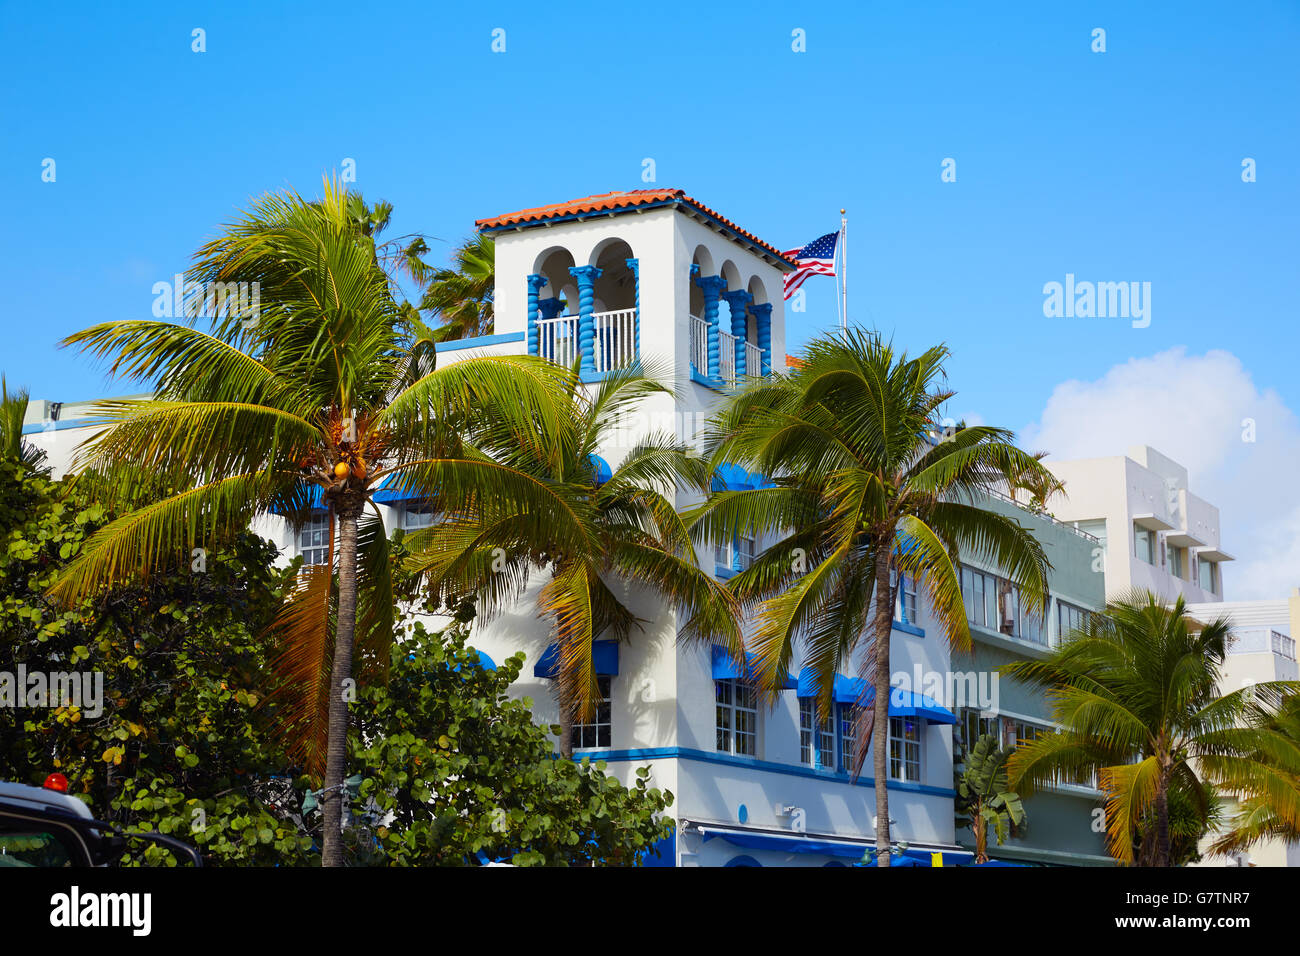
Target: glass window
(597,733)
(824,730)
(314,538)
(848,736)
(1069,619)
(1144,545)
(907,599)
(416,516)
(1208,576)
(905,749)
(1023,732)
(973,726)
(737,717)
(1177,562)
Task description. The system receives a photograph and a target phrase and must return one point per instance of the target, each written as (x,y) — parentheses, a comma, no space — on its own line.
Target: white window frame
(602,722)
(735,703)
(848,727)
(824,733)
(1141,534)
(904,750)
(417,508)
(313,539)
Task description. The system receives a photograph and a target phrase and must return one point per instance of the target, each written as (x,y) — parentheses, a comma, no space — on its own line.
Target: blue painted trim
(909,628)
(743,861)
(59,426)
(590,377)
(752,763)
(479,341)
(701,379)
(723,573)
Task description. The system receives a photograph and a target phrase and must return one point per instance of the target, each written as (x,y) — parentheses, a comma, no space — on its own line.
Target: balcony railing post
(535,285)
(712,286)
(586,276)
(738,300)
(635,266)
(763,319)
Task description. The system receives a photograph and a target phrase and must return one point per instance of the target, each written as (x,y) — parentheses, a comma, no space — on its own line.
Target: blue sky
(1115,166)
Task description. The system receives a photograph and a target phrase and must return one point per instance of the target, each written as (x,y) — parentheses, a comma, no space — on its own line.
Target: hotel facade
(657,277)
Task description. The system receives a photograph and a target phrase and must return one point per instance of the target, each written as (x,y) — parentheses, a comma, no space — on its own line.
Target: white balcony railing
(727,358)
(753,359)
(615,345)
(699,345)
(557,339)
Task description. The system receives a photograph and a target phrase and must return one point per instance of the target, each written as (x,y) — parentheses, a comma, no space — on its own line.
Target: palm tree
(315,398)
(586,532)
(983,797)
(13,447)
(1257,815)
(461,297)
(858,491)
(1136,694)
(1040,485)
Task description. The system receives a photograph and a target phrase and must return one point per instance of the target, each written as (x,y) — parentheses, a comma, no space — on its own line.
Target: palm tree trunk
(880,745)
(566,733)
(1163,852)
(981,827)
(337,746)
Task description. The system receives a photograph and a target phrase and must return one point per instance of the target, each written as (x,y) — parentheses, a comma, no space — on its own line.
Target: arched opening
(554,332)
(742,861)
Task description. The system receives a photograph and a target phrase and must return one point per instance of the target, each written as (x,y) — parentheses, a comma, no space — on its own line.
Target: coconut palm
(1256,816)
(858,491)
(1135,692)
(13,409)
(460,297)
(587,534)
(309,402)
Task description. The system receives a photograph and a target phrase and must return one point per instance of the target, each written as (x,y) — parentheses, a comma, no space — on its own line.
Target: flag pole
(844,276)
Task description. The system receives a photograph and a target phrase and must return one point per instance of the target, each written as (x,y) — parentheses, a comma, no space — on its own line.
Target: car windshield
(32,848)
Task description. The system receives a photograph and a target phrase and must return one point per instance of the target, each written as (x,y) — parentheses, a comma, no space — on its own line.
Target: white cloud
(1192,408)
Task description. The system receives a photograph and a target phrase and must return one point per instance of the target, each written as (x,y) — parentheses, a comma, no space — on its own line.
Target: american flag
(815,259)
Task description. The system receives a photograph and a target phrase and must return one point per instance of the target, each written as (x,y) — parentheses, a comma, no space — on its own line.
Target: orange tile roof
(618,202)
(793,361)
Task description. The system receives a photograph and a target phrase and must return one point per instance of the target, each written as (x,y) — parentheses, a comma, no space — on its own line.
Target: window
(737,717)
(1069,619)
(849,714)
(973,726)
(737,556)
(314,538)
(1095,527)
(1144,544)
(1208,576)
(974,589)
(598,732)
(824,730)
(1022,732)
(995,603)
(907,599)
(905,749)
(416,515)
(1177,562)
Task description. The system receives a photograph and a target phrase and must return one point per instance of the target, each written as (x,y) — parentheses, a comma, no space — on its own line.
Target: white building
(1153,532)
(1263,649)
(657,276)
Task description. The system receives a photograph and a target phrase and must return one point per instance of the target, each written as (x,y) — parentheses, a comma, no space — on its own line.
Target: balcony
(1262,640)
(728,377)
(614,343)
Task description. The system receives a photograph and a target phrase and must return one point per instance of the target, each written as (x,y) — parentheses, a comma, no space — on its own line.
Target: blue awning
(603,471)
(842,849)
(731,477)
(390,490)
(604,654)
(902,703)
(726,667)
(315,498)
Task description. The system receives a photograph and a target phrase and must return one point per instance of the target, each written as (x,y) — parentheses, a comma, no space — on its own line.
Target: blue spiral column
(586,276)
(535,285)
(738,301)
(635,266)
(763,318)
(712,286)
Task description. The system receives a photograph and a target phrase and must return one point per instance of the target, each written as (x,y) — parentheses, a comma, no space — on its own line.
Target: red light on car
(56,781)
